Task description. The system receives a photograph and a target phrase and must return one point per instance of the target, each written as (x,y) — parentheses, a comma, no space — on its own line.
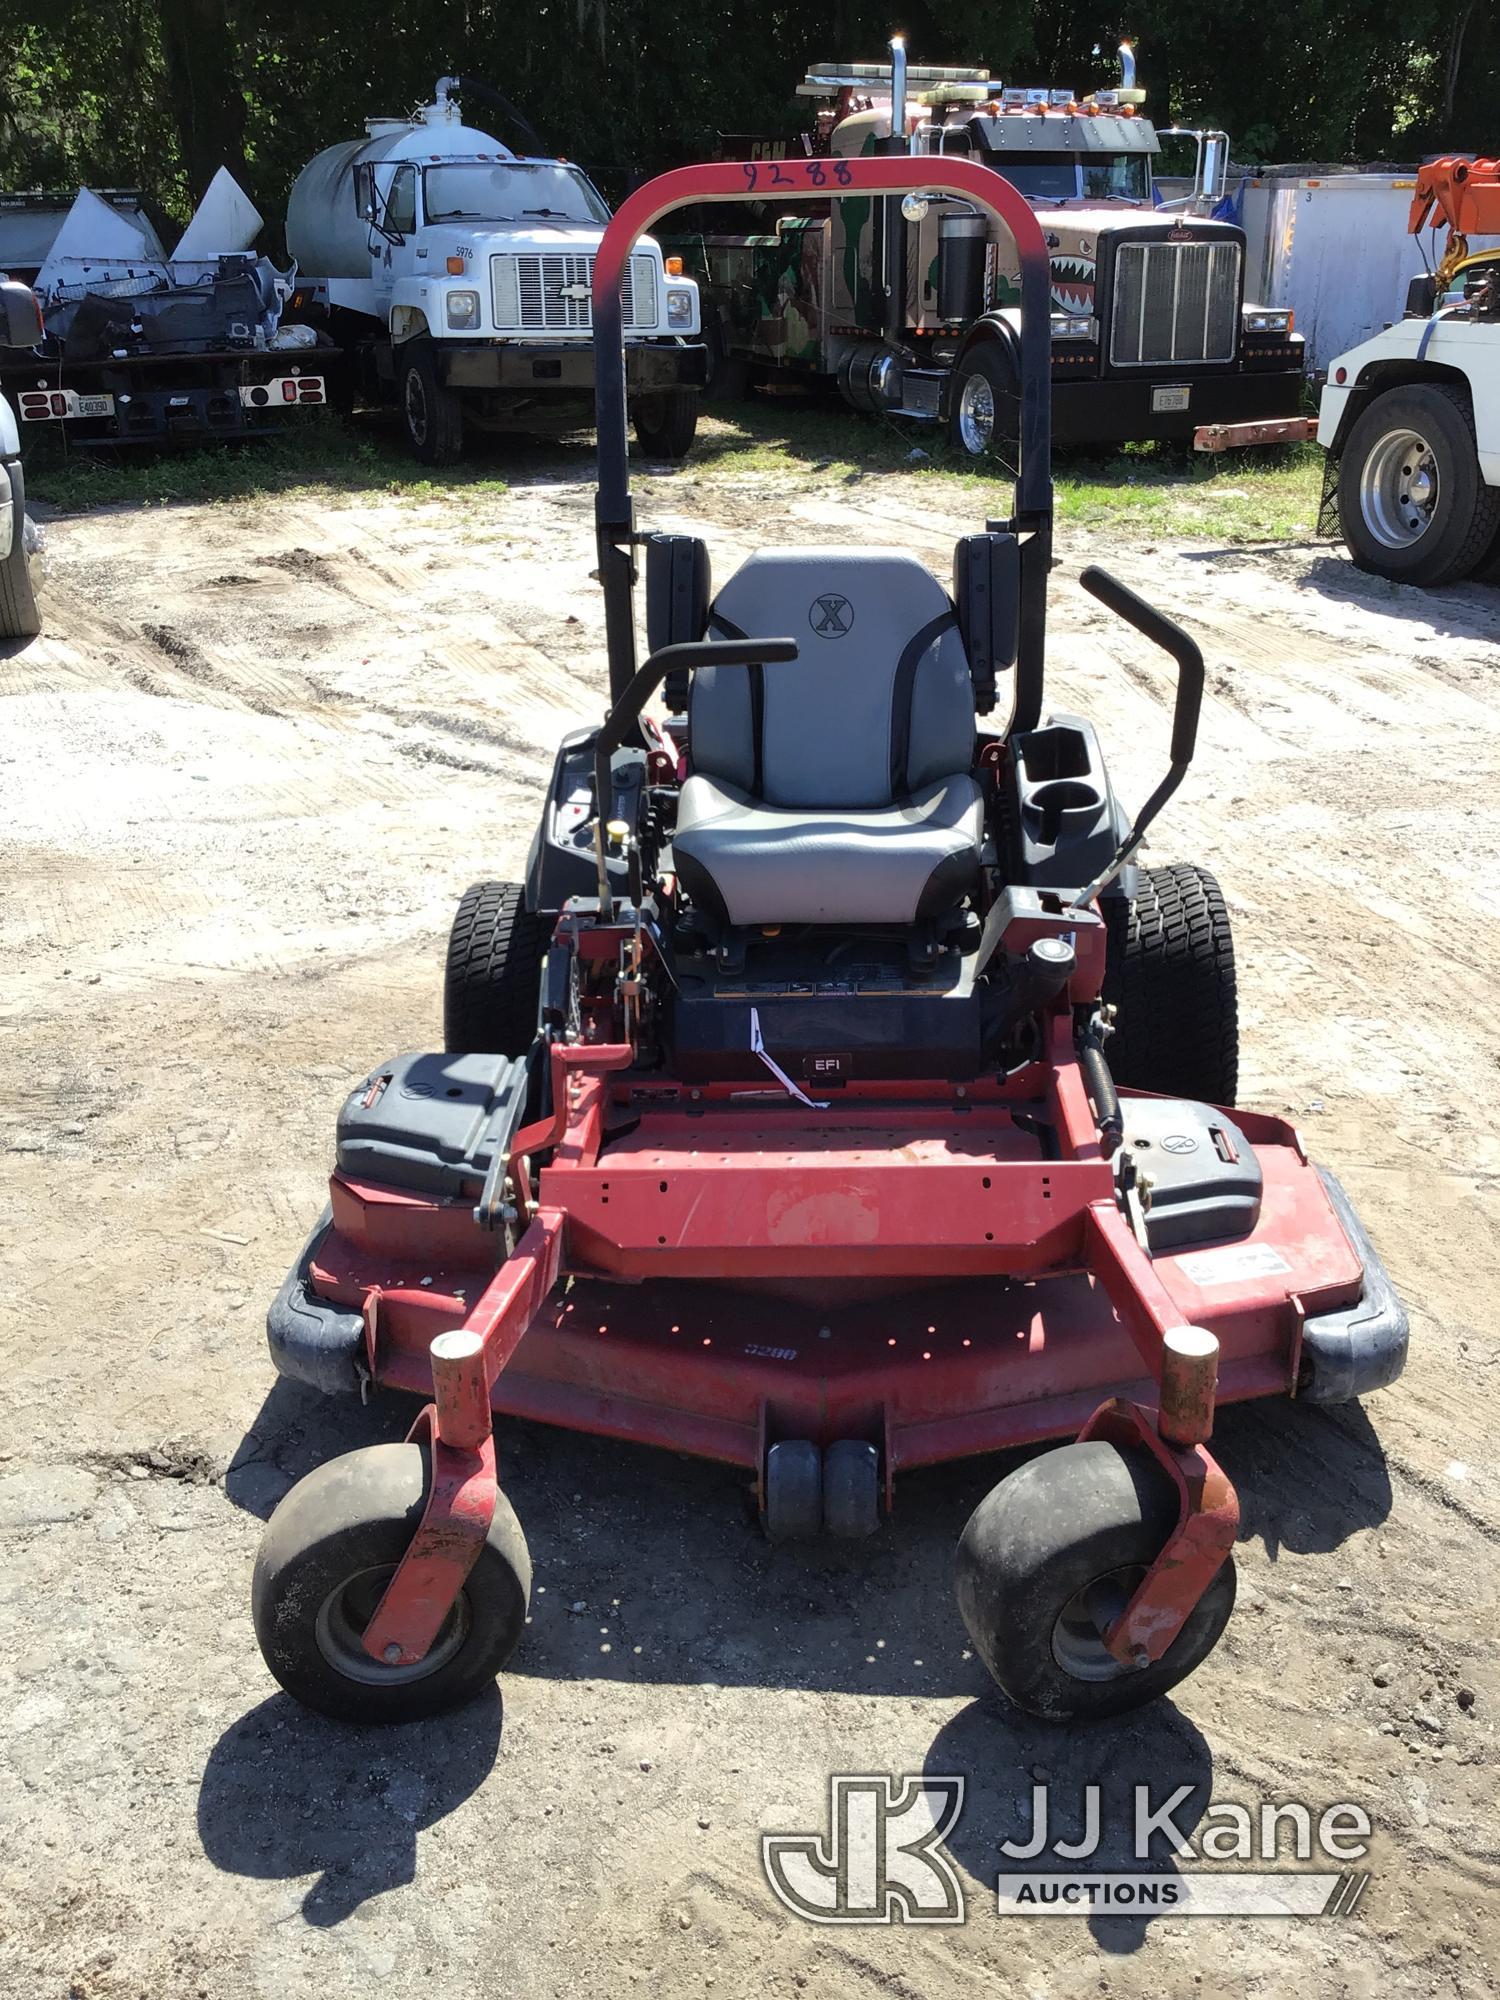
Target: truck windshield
(1067,177)
(510,191)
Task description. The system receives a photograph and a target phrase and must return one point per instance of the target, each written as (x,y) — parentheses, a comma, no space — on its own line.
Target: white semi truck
(458,276)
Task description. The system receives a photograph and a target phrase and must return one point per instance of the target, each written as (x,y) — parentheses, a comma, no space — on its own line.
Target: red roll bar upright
(820,180)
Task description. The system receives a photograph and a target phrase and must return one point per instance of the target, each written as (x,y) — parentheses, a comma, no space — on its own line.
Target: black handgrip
(1168,634)
(685,658)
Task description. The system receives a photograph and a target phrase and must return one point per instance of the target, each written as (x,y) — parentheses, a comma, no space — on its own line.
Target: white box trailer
(1331,243)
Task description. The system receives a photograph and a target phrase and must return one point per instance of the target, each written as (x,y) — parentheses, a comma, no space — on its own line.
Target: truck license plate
(1175,398)
(96,406)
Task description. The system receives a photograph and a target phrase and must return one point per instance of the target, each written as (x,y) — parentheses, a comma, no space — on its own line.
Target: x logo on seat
(831,617)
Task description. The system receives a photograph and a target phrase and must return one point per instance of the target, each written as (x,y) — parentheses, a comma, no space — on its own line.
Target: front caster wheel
(1051,1556)
(327,1554)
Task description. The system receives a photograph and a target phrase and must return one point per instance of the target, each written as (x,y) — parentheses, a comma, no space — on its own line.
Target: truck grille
(1174,302)
(552,292)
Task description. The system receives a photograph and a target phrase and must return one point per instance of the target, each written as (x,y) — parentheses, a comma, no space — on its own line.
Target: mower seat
(834,789)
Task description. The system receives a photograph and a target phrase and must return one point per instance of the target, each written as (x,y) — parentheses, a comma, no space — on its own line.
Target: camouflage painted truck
(911,307)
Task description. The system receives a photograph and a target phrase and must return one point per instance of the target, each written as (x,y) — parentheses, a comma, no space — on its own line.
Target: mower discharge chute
(827,990)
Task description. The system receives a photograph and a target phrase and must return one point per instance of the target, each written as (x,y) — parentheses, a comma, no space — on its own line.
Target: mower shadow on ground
(651,1568)
(287,1794)
(1007,1759)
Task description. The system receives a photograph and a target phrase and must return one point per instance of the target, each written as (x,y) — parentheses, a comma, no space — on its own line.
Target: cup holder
(1063,802)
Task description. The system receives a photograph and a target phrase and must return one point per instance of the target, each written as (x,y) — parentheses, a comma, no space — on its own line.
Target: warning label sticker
(1234,1262)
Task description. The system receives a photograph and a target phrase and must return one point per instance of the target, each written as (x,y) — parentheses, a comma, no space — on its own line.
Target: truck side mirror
(364,194)
(20,315)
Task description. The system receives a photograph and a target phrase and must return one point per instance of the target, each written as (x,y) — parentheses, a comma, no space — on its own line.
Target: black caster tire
(492,982)
(325,1559)
(794,1491)
(1054,1549)
(851,1489)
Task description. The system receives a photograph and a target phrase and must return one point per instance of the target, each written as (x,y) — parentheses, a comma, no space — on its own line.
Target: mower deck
(996,1307)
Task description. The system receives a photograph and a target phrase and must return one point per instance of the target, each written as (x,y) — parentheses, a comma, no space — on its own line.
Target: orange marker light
(456,267)
(674,267)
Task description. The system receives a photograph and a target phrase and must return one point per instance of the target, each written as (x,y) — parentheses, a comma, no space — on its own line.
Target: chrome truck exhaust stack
(893,228)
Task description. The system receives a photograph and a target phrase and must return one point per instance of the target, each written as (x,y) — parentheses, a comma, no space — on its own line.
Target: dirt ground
(245,774)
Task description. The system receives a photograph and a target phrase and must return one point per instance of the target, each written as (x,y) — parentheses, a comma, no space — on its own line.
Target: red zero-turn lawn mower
(834,1096)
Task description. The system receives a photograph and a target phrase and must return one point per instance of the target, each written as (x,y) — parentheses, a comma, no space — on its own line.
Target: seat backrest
(878,704)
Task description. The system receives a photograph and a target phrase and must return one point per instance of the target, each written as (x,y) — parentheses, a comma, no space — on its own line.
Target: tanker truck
(457,274)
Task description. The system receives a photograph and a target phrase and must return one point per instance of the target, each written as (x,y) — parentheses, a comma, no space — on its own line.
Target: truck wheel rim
(416,407)
(976,415)
(346,1611)
(1078,1635)
(1399,490)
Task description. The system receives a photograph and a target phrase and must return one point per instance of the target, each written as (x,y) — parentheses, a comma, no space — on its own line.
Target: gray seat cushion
(752,863)
(878,703)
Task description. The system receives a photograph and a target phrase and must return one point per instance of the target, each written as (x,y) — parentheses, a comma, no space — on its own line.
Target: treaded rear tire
(492,980)
(1171,975)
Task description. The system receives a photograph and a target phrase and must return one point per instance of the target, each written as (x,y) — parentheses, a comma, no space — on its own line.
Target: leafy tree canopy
(157,93)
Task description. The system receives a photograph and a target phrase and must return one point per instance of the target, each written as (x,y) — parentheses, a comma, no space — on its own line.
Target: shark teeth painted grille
(552,292)
(1174,302)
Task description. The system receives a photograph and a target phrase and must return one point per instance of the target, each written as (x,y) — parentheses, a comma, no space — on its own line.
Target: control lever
(686,658)
(1169,635)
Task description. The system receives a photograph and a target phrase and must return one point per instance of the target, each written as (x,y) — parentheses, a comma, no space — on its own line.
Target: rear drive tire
(432,418)
(666,423)
(493,976)
(1413,506)
(1170,974)
(1058,1546)
(19,616)
(325,1558)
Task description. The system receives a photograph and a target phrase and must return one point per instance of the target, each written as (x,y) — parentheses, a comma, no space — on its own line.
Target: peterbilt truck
(458,274)
(911,307)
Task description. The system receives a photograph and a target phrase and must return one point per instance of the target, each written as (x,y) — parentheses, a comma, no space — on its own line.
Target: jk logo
(831,617)
(878,1864)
